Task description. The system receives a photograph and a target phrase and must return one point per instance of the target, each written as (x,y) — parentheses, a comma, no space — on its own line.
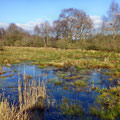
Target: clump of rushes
(109,101)
(7,112)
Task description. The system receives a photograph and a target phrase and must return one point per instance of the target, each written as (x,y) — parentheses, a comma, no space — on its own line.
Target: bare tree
(75,23)
(2,34)
(83,25)
(68,21)
(56,29)
(111,22)
(45,31)
(37,30)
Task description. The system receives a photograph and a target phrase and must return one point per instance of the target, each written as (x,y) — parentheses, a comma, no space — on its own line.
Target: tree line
(73,29)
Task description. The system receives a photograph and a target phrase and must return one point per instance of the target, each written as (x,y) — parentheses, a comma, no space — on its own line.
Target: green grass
(61,74)
(71,109)
(50,56)
(15,70)
(73,77)
(58,82)
(2,77)
(80,83)
(109,101)
(65,87)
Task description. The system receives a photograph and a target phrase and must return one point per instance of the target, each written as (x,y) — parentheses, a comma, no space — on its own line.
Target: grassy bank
(57,57)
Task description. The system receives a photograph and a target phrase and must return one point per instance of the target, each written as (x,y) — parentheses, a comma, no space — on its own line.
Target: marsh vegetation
(92,92)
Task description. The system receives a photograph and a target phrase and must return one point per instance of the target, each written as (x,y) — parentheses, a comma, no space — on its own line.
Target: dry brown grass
(30,98)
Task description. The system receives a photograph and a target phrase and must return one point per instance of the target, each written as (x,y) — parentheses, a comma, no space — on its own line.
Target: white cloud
(97,21)
(26,26)
(3,25)
(30,25)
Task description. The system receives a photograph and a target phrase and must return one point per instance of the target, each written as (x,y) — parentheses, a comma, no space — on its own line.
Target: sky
(28,13)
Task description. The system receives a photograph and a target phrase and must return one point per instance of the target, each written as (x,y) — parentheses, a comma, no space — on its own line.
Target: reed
(31,97)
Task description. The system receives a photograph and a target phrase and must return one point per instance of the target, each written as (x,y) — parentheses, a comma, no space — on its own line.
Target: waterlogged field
(79,84)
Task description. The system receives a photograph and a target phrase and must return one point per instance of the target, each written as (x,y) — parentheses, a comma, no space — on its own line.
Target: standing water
(68,97)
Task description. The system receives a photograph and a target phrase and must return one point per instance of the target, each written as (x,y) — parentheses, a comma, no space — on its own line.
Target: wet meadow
(50,84)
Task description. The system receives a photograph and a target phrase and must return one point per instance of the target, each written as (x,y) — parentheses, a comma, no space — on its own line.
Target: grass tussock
(80,83)
(71,109)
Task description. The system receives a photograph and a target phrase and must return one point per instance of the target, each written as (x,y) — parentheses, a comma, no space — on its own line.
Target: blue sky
(26,11)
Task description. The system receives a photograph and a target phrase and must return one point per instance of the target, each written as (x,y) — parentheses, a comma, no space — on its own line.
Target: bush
(63,44)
